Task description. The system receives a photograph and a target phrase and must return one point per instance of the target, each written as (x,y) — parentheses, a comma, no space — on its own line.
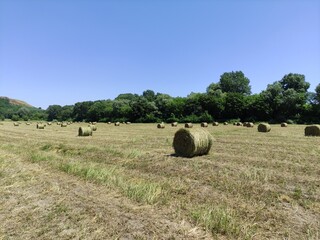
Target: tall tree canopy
(235,82)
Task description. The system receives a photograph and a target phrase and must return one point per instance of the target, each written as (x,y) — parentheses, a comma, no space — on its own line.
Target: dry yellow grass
(251,186)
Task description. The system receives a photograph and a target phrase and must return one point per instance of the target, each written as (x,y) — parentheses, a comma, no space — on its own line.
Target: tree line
(229,99)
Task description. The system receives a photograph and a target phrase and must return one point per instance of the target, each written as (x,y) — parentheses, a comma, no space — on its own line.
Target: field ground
(125,183)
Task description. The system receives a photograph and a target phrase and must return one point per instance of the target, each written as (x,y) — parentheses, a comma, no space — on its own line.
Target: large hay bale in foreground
(174,124)
(40,126)
(284,124)
(85,131)
(312,130)
(117,124)
(264,127)
(204,124)
(188,125)
(215,124)
(93,127)
(160,125)
(192,142)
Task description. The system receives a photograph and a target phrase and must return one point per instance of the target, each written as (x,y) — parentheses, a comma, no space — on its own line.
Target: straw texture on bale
(85,131)
(117,123)
(204,124)
(188,125)
(284,124)
(40,126)
(192,142)
(312,130)
(93,127)
(174,124)
(215,124)
(264,127)
(64,124)
(160,125)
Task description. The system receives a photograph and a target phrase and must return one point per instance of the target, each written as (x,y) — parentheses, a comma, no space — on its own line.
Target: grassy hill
(18,110)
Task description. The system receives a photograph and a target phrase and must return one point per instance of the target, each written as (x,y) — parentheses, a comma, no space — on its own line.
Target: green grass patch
(220,220)
(140,191)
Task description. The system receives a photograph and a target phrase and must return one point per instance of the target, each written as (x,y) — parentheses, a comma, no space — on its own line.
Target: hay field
(124,183)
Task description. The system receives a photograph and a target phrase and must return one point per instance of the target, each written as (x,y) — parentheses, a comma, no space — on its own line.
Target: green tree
(54,112)
(149,95)
(294,81)
(234,82)
(317,95)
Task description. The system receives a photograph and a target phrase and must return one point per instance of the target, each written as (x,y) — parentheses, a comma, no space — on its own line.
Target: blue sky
(64,51)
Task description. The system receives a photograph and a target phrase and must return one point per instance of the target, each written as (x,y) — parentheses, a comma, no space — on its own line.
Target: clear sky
(67,51)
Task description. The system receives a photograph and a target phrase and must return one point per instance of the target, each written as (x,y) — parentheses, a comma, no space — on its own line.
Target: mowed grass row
(251,185)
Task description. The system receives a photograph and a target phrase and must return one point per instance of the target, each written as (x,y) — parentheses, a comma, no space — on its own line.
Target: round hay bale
(174,124)
(40,126)
(264,127)
(128,123)
(284,124)
(160,125)
(27,123)
(109,122)
(250,124)
(312,130)
(94,123)
(204,124)
(58,123)
(245,124)
(117,124)
(215,124)
(225,123)
(93,127)
(239,124)
(85,131)
(188,125)
(49,123)
(234,124)
(16,124)
(63,124)
(192,142)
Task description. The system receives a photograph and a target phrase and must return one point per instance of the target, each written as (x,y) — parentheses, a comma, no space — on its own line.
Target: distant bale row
(174,124)
(64,124)
(192,142)
(204,124)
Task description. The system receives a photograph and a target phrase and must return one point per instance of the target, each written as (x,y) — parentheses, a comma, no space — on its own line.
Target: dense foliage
(18,112)
(230,99)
